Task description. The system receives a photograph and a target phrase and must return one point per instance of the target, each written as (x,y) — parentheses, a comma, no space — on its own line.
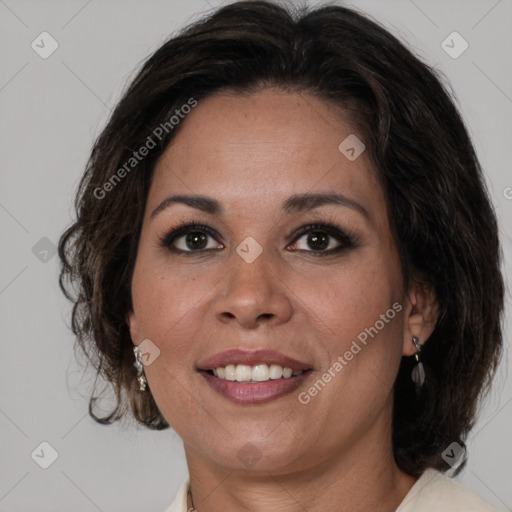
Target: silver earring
(140,368)
(418,372)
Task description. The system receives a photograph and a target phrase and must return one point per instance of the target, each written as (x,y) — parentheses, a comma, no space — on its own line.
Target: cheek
(167,301)
(352,297)
(168,308)
(170,311)
(356,311)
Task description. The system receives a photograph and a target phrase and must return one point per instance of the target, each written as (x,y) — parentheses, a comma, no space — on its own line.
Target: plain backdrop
(51,111)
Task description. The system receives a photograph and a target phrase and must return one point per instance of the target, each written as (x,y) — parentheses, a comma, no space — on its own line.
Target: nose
(253,294)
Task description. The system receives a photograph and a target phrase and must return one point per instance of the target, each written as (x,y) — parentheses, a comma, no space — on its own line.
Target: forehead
(252,150)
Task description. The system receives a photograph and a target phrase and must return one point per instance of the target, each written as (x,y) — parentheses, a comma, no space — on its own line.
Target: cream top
(433,492)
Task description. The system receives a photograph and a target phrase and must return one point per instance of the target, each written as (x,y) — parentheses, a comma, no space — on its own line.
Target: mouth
(260,372)
(253,377)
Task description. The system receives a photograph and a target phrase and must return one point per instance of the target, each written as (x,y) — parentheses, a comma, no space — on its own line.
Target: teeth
(260,373)
(243,373)
(257,373)
(229,372)
(275,371)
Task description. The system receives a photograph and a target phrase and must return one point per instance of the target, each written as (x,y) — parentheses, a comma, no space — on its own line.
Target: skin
(251,152)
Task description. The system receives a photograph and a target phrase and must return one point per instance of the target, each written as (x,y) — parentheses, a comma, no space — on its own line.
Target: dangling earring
(418,372)
(140,368)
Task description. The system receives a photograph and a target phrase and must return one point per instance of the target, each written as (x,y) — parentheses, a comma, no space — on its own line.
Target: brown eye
(322,239)
(192,238)
(319,241)
(196,240)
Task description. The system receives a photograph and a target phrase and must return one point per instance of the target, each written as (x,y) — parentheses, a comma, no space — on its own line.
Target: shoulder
(436,492)
(180,501)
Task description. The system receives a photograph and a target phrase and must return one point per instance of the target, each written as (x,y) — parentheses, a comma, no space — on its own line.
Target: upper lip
(250,358)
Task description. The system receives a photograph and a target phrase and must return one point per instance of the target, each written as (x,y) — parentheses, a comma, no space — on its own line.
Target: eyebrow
(294,204)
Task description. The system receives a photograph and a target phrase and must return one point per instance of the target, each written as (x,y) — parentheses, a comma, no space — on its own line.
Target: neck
(364,477)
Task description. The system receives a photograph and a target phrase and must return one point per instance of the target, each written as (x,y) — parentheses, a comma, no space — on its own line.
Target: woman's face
(253,280)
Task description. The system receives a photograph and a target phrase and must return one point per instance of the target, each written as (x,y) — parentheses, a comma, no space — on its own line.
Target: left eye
(322,239)
(317,241)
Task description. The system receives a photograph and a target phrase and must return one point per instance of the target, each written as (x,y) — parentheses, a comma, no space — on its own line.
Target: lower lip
(254,392)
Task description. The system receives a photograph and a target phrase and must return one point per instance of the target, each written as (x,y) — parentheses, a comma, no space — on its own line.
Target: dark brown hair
(441,216)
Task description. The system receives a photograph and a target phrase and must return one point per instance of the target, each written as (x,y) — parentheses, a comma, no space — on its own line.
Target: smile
(253,377)
(258,373)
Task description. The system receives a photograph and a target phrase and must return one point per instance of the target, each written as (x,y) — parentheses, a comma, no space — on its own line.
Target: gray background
(51,111)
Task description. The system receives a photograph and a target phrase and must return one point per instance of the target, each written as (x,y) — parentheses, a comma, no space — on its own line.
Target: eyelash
(346,239)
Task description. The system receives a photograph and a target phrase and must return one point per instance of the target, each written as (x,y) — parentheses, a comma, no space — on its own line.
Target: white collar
(432,492)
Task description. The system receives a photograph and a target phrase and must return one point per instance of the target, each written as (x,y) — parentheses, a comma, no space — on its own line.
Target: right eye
(190,238)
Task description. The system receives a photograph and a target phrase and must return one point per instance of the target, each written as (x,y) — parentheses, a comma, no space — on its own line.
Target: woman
(285,250)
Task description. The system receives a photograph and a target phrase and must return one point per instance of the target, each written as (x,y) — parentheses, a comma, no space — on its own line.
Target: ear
(131,320)
(420,315)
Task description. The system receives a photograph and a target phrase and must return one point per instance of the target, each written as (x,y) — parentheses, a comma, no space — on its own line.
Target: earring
(140,368)
(418,372)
